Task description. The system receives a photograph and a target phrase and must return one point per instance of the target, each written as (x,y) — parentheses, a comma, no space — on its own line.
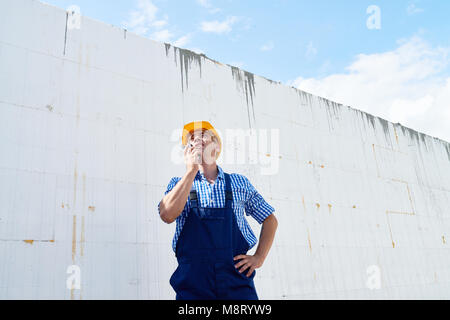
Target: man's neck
(211,171)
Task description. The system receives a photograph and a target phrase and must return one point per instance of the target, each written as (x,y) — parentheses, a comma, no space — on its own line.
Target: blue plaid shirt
(245,197)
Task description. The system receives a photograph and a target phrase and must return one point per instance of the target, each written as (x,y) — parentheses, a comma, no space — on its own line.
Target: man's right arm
(173,203)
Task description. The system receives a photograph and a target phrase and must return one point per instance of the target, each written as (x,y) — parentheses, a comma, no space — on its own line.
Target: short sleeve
(256,206)
(172,183)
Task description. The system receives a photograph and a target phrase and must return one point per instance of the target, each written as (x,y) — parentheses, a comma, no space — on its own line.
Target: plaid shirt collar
(201,177)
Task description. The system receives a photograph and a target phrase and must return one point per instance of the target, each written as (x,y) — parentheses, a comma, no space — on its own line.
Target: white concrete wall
(86,123)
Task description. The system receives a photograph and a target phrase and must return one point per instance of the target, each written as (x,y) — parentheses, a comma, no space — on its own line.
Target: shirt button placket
(211,196)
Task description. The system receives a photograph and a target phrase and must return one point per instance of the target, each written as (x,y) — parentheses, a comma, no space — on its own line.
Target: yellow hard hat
(200,125)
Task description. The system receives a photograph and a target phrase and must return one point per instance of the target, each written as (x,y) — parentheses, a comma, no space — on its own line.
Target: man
(212,235)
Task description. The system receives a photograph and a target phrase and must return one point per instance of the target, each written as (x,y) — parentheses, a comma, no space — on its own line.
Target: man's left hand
(252,262)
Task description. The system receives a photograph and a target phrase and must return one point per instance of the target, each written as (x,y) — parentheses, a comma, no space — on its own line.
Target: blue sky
(313,45)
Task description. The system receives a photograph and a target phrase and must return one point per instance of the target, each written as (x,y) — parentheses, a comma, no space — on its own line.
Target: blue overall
(208,242)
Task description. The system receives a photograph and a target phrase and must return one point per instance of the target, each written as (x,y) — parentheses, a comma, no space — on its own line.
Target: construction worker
(212,235)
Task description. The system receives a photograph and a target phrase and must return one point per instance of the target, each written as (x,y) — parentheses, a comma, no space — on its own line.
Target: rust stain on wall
(401,212)
(91,208)
(410,199)
(33,241)
(75,178)
(390,230)
(309,241)
(82,237)
(84,188)
(396,135)
(74,237)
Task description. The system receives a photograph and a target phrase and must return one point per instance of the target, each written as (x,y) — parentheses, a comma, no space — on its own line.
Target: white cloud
(140,30)
(182,41)
(409,85)
(204,3)
(162,36)
(217,26)
(207,4)
(267,47)
(413,9)
(144,21)
(140,19)
(161,23)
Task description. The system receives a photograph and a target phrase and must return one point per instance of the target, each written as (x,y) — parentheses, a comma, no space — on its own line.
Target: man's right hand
(173,203)
(193,157)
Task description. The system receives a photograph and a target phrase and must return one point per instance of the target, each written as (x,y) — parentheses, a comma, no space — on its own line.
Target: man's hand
(192,157)
(252,262)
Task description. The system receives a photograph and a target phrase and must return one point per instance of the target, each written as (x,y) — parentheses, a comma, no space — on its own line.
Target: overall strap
(194,197)
(228,192)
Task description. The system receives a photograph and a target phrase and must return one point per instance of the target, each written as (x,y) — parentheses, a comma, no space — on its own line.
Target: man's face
(203,139)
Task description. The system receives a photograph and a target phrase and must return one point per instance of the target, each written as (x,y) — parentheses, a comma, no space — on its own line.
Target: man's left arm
(259,209)
(268,230)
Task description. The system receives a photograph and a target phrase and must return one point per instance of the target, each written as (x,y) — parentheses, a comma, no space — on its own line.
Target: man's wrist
(191,173)
(260,257)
